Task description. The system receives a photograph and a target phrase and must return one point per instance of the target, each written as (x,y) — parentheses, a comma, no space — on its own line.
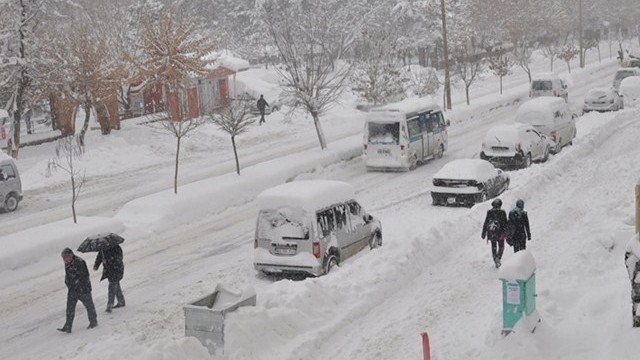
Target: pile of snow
(181,348)
(519,267)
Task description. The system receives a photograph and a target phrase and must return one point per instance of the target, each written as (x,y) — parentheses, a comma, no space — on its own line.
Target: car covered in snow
(310,227)
(602,99)
(467,182)
(630,90)
(549,85)
(623,73)
(10,184)
(514,145)
(551,117)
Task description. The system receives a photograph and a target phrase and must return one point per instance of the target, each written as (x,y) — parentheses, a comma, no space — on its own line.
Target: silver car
(10,184)
(601,99)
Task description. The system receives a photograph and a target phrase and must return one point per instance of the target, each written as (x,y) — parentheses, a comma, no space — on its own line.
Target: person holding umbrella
(111,258)
(79,285)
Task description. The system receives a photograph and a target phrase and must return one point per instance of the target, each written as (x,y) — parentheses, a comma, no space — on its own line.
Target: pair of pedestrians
(498,228)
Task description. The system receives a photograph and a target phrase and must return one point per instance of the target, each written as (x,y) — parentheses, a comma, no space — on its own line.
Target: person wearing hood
(113,269)
(518,227)
(632,262)
(79,285)
(494,228)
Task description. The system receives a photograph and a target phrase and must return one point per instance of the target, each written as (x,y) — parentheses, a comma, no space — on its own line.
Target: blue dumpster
(518,276)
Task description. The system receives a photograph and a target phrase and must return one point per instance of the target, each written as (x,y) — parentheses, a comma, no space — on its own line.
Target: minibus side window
(414,128)
(326,222)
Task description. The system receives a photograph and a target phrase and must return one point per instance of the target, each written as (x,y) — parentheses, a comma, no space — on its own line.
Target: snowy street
(433,273)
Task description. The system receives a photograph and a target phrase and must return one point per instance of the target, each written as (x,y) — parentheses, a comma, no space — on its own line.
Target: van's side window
(326,222)
(414,128)
(8,172)
(342,221)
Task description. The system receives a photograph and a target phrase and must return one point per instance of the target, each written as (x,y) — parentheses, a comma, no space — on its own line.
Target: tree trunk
(85,125)
(321,138)
(500,85)
(447,77)
(175,174)
(569,66)
(466,89)
(73,199)
(599,56)
(551,64)
(235,154)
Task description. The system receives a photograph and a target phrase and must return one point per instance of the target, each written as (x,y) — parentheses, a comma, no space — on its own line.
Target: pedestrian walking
(79,288)
(494,229)
(518,230)
(632,262)
(262,107)
(112,263)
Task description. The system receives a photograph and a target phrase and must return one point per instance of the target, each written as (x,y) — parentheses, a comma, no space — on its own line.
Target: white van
(400,136)
(624,73)
(549,85)
(310,227)
(10,184)
(552,117)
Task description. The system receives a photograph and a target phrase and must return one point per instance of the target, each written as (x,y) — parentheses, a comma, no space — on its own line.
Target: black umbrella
(100,242)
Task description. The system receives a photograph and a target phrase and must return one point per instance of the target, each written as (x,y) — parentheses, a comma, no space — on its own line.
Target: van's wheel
(527,161)
(331,262)
(11,203)
(440,153)
(414,162)
(375,241)
(546,153)
(558,146)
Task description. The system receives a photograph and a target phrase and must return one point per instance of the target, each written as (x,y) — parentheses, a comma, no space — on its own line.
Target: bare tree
(523,58)
(173,51)
(69,151)
(311,38)
(420,81)
(500,64)
(234,119)
(467,66)
(568,53)
(551,50)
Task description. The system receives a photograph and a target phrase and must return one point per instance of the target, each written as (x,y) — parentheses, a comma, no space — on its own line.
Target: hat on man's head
(66,252)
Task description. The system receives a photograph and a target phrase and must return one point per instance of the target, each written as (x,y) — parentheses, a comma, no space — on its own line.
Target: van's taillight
(553,135)
(316,250)
(255,243)
(518,148)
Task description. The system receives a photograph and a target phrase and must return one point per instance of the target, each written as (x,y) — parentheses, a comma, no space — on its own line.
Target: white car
(602,99)
(466,182)
(549,85)
(515,145)
(630,90)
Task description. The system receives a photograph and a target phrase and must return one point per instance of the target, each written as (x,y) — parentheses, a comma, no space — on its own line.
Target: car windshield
(384,133)
(541,85)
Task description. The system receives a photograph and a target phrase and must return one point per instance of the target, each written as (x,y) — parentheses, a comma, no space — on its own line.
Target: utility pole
(447,79)
(580,33)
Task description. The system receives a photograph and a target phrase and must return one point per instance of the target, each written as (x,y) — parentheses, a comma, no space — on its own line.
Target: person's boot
(92,325)
(65,329)
(119,305)
(108,309)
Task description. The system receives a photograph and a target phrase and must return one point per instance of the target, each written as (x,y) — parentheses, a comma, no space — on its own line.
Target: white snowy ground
(433,274)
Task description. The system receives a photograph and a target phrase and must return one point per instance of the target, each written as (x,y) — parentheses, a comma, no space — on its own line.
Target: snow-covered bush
(420,81)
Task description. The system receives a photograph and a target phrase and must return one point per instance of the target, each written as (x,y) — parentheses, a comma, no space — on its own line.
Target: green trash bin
(519,292)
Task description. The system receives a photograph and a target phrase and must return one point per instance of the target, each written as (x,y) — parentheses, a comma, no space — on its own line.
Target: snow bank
(160,211)
(28,246)
(182,348)
(518,267)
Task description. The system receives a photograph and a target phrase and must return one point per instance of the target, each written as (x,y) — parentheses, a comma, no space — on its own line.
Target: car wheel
(527,161)
(375,241)
(11,203)
(332,262)
(547,149)
(558,147)
(440,153)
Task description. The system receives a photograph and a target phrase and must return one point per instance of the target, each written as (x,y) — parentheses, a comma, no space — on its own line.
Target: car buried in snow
(467,182)
(514,145)
(309,227)
(602,99)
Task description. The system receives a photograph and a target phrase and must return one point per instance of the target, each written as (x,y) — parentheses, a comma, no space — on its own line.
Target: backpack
(493,226)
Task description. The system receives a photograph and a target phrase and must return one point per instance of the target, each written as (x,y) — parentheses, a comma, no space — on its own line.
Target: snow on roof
(411,105)
(466,169)
(310,195)
(598,91)
(546,76)
(520,266)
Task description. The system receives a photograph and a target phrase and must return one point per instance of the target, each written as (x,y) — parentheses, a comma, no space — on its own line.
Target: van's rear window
(541,85)
(384,133)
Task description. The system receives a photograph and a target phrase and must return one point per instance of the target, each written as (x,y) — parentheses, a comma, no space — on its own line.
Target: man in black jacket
(495,225)
(262,107)
(518,223)
(79,285)
(113,269)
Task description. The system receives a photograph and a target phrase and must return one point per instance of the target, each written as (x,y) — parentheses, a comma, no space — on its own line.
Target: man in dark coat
(79,285)
(518,223)
(495,225)
(262,107)
(113,269)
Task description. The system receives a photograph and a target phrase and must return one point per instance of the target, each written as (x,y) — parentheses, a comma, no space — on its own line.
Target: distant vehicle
(602,99)
(624,73)
(552,117)
(515,145)
(274,105)
(10,184)
(549,85)
(310,227)
(400,136)
(467,182)
(630,90)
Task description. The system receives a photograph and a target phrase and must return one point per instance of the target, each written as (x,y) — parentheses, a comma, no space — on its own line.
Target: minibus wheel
(440,153)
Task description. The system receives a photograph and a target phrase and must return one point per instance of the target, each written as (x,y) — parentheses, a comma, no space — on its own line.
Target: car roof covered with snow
(630,86)
(466,169)
(506,132)
(545,76)
(310,195)
(599,92)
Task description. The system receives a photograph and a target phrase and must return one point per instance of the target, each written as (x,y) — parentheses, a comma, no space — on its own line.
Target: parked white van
(549,85)
(552,117)
(10,184)
(623,73)
(630,91)
(310,227)
(400,136)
